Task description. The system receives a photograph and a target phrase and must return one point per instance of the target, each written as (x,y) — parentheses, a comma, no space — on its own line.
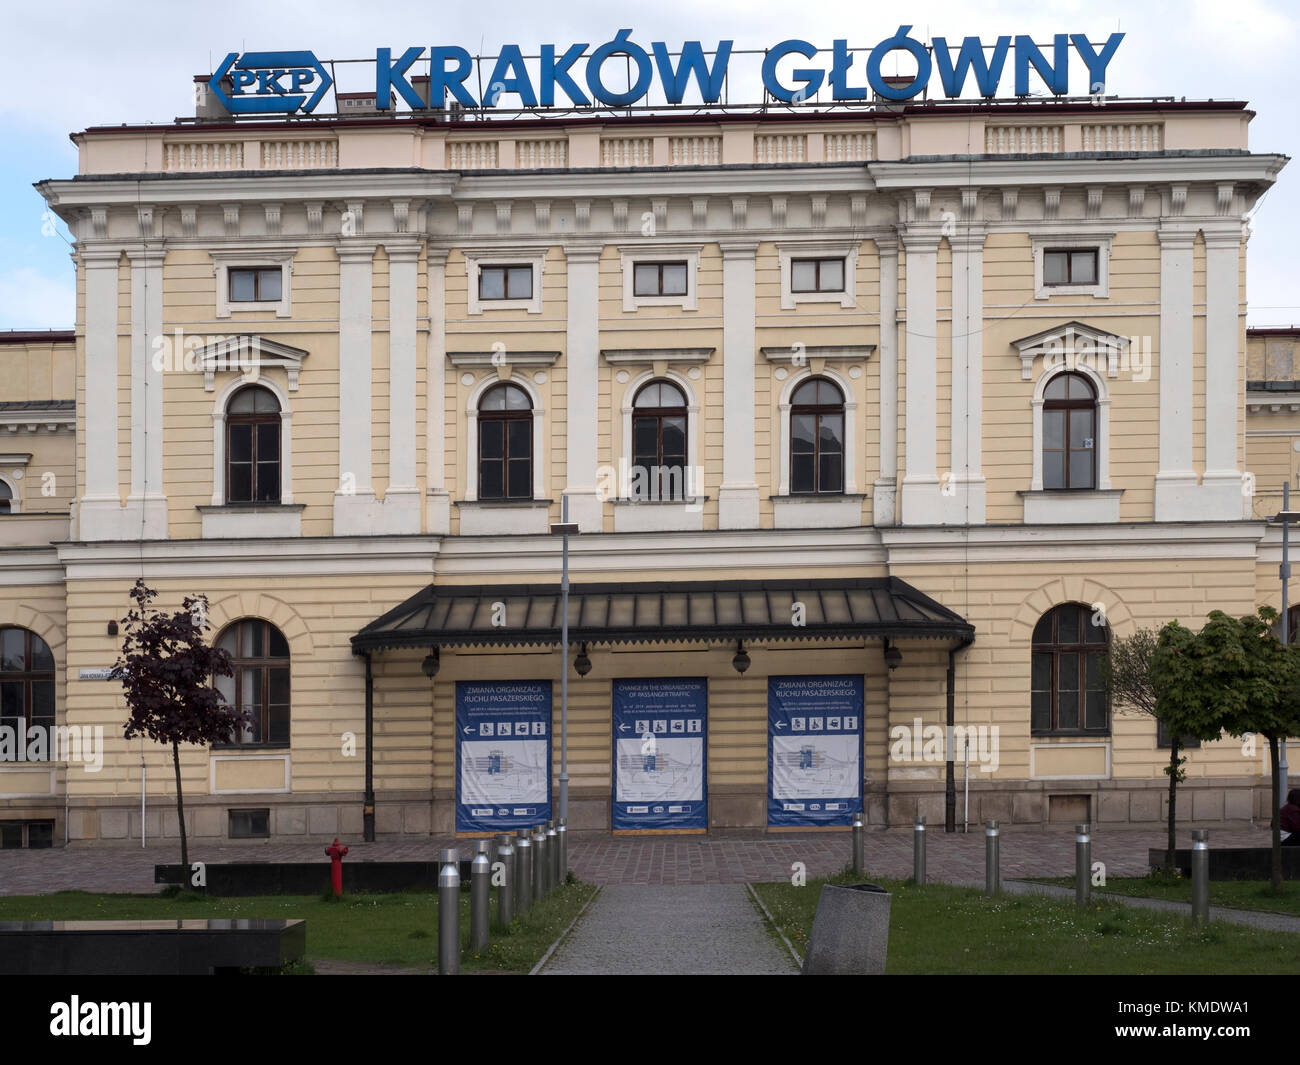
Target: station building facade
(928,402)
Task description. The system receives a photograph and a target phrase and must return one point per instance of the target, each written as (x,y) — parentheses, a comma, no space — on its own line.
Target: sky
(65,66)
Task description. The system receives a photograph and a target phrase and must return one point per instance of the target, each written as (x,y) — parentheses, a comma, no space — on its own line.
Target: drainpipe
(368,809)
(950,770)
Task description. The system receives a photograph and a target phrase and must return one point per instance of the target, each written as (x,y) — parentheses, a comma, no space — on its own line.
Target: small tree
(1243,678)
(166,669)
(1128,676)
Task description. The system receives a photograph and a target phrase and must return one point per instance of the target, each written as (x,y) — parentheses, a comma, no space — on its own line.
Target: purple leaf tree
(167,670)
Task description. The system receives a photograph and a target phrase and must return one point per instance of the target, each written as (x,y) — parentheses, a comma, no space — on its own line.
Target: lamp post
(562,529)
(1284,517)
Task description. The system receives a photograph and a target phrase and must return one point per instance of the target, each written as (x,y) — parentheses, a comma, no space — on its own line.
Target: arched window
(659,442)
(505,444)
(26,685)
(6,499)
(817,438)
(1069,433)
(1067,693)
(260,685)
(253,446)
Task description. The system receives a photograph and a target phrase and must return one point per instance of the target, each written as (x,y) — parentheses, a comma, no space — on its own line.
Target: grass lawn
(940,928)
(1238,894)
(397,929)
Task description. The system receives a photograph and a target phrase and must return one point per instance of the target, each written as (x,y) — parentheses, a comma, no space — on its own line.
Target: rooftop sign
(621,73)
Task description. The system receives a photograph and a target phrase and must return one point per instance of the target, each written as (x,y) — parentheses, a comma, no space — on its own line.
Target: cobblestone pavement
(601,859)
(671,929)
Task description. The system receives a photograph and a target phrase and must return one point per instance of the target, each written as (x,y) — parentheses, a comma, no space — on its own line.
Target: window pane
(1053,469)
(645,279)
(254,645)
(1040,710)
(242,286)
(803,275)
(278,645)
(675,279)
(645,441)
(268,284)
(674,437)
(277,724)
(521,478)
(491,438)
(491,480)
(832,279)
(1067,626)
(516,398)
(519,438)
(831,474)
(521,283)
(279,689)
(832,432)
(42,658)
(802,430)
(268,442)
(1058,387)
(1080,429)
(1081,469)
(268,482)
(1083,268)
(40,834)
(1095,701)
(491,283)
(801,473)
(241,443)
(13,650)
(241,483)
(1094,633)
(1054,267)
(1040,672)
(11,699)
(43,698)
(1053,429)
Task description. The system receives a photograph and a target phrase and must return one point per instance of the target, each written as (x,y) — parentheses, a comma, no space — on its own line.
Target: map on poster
(814,750)
(503,755)
(659,753)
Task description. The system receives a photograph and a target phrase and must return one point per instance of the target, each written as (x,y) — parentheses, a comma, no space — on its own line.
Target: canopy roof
(662,612)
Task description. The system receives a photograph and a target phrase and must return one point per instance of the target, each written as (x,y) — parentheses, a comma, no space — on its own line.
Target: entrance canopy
(663,612)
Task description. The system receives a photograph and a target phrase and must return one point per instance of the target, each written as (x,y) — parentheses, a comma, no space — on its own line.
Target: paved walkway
(600,859)
(671,930)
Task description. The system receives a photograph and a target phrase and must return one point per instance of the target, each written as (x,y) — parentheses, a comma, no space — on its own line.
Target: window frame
(633,255)
(265,663)
(789,251)
(254,420)
(660,264)
(658,414)
(506,270)
(1068,406)
(269,258)
(504,417)
(1070,253)
(257,272)
(506,258)
(818,262)
(28,676)
(819,410)
(1079,240)
(1057,650)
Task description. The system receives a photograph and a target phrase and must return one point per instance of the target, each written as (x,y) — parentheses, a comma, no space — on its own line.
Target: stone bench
(1233,863)
(148,948)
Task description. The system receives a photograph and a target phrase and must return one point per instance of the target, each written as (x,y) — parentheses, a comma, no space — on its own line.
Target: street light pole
(1284,571)
(564,661)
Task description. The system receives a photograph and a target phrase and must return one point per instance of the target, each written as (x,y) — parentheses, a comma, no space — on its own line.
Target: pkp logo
(265,83)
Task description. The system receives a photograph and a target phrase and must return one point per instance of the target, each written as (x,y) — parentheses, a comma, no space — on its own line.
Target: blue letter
(554,74)
(1096,63)
(971,57)
(390,75)
(441,79)
(839,67)
(620,45)
(1056,77)
(812,79)
(509,60)
(923,65)
(692,62)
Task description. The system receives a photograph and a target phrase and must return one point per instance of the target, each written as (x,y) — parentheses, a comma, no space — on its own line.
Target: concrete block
(388,818)
(929,806)
(994,806)
(1237,805)
(585,815)
(876,810)
(1144,805)
(1207,804)
(209,821)
(351,821)
(289,820)
(323,820)
(1027,807)
(416,819)
(850,933)
(113,824)
(1112,806)
(737,811)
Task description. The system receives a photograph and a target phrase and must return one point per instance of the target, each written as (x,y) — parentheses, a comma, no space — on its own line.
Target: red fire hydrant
(336,853)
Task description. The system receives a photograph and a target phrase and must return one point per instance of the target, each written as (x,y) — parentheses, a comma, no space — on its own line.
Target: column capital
(1176,237)
(356,253)
(575,254)
(738,249)
(403,250)
(921,238)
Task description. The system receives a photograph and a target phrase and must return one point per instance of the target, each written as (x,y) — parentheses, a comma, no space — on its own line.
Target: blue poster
(814,747)
(659,754)
(503,755)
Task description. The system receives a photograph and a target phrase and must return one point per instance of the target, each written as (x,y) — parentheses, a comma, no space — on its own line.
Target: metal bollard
(992,875)
(539,863)
(562,838)
(480,898)
(1201,875)
(449,912)
(859,861)
(523,871)
(506,892)
(918,849)
(1082,865)
(553,849)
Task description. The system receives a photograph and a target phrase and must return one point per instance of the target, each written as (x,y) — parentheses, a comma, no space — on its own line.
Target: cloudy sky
(66,66)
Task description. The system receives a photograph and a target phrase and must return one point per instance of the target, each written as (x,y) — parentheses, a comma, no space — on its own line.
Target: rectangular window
(1070,266)
(259,284)
(1162,738)
(816,275)
(34,835)
(250,824)
(659,279)
(510,282)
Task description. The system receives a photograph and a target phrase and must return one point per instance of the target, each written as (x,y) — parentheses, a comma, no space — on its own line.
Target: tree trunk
(1277,817)
(1172,841)
(180,816)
